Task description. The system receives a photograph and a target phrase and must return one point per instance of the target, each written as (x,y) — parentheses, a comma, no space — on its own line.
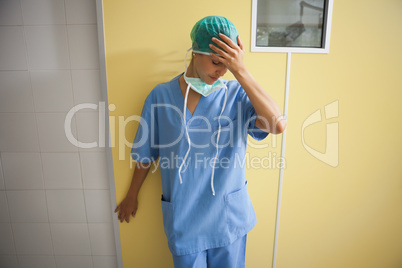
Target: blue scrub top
(195,219)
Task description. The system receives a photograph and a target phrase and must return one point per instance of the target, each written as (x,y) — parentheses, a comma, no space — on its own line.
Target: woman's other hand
(128,207)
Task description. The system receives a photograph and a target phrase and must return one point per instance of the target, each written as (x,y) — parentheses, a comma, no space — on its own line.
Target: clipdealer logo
(331,154)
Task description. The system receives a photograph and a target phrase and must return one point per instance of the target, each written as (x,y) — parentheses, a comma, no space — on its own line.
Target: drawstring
(184,120)
(217,142)
(188,136)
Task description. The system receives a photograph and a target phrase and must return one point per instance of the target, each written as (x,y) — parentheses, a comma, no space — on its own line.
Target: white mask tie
(217,142)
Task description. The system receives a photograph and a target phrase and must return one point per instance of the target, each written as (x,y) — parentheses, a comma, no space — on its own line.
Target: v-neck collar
(202,106)
(179,99)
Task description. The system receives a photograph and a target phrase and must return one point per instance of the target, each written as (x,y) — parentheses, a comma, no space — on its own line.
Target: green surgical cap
(209,27)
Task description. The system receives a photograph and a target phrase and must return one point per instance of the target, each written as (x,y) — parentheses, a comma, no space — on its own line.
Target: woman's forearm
(270,118)
(139,175)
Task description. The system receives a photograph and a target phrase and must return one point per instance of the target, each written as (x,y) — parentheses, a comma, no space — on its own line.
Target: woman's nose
(221,70)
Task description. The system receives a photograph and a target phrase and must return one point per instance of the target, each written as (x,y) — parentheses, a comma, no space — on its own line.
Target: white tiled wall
(55,208)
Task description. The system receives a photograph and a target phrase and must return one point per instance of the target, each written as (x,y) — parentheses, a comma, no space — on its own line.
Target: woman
(197,125)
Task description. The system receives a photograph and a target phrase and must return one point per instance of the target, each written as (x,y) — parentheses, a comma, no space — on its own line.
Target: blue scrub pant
(231,256)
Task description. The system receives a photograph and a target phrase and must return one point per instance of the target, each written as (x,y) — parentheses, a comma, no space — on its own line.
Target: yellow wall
(344,216)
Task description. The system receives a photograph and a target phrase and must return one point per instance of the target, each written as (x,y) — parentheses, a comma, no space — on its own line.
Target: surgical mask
(198,85)
(185,125)
(201,87)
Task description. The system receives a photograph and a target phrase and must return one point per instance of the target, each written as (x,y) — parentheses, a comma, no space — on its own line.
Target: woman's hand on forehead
(231,54)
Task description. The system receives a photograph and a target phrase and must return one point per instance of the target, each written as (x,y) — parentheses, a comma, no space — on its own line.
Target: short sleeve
(145,148)
(249,117)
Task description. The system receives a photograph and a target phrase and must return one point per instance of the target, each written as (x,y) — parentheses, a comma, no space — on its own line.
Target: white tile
(53,137)
(47,47)
(6,241)
(43,12)
(105,261)
(102,238)
(10,12)
(86,86)
(81,11)
(27,178)
(18,133)
(94,170)
(74,261)
(9,261)
(32,238)
(90,132)
(12,48)
(4,214)
(2,187)
(15,92)
(52,91)
(99,208)
(66,206)
(27,206)
(71,239)
(83,43)
(37,262)
(62,171)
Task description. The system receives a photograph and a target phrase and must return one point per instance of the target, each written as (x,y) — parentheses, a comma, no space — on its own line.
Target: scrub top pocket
(239,211)
(167,211)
